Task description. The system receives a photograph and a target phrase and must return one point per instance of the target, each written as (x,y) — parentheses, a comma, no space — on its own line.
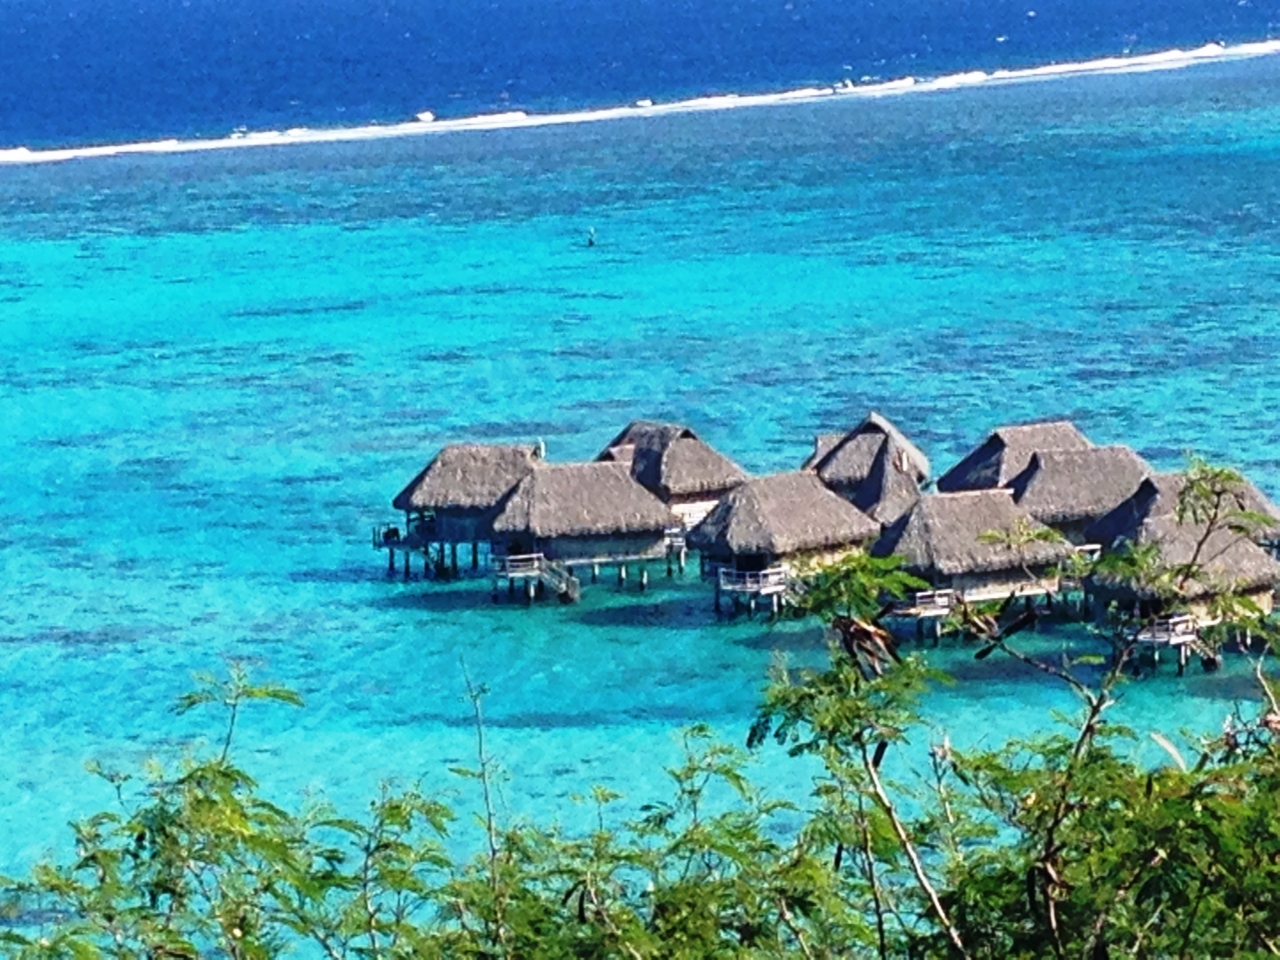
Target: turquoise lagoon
(217,369)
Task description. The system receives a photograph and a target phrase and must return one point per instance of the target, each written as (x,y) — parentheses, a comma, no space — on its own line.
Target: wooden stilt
(511,586)
(681,558)
(644,578)
(751,605)
(406,564)
(426,564)
(670,566)
(453,558)
(717,594)
(391,560)
(595,572)
(475,555)
(1182,658)
(529,589)
(777,604)
(919,629)
(622,575)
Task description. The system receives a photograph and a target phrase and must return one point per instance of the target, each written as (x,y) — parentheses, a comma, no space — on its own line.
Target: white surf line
(515,120)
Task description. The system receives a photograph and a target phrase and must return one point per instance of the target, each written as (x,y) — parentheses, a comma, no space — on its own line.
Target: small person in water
(591,237)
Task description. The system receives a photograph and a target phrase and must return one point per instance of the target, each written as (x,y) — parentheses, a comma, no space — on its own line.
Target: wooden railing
(518,564)
(1183,628)
(933,599)
(419,534)
(772,580)
(555,575)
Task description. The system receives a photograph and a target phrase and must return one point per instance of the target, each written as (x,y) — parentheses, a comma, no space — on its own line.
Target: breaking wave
(426,125)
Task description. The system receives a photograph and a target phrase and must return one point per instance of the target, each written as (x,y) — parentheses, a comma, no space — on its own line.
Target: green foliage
(856,586)
(1070,844)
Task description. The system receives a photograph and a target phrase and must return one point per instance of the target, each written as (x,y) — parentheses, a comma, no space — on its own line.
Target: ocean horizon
(219,365)
(77,75)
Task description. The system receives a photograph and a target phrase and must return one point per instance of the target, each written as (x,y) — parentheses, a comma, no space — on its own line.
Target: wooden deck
(749,585)
(933,604)
(536,572)
(392,538)
(764,583)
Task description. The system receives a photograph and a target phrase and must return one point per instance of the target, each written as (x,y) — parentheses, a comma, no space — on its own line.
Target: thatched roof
(1061,486)
(887,492)
(874,465)
(1006,453)
(781,514)
(1157,498)
(942,535)
(849,461)
(581,499)
(1149,516)
(671,460)
(468,476)
(1227,560)
(823,444)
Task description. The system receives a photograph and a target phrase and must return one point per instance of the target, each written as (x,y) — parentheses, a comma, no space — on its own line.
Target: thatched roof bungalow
(782,519)
(1228,560)
(676,465)
(1157,497)
(580,512)
(1071,489)
(941,539)
(461,490)
(873,466)
(1006,453)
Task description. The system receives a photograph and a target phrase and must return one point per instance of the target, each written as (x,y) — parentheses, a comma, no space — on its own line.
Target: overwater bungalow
(943,540)
(675,465)
(457,496)
(1007,452)
(1157,496)
(1229,560)
(1072,489)
(764,530)
(567,515)
(873,466)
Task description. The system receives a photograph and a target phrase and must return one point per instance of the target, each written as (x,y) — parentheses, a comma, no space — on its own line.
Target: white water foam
(426,125)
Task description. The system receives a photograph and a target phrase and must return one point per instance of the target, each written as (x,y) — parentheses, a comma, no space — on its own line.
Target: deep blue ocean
(90,71)
(216,369)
